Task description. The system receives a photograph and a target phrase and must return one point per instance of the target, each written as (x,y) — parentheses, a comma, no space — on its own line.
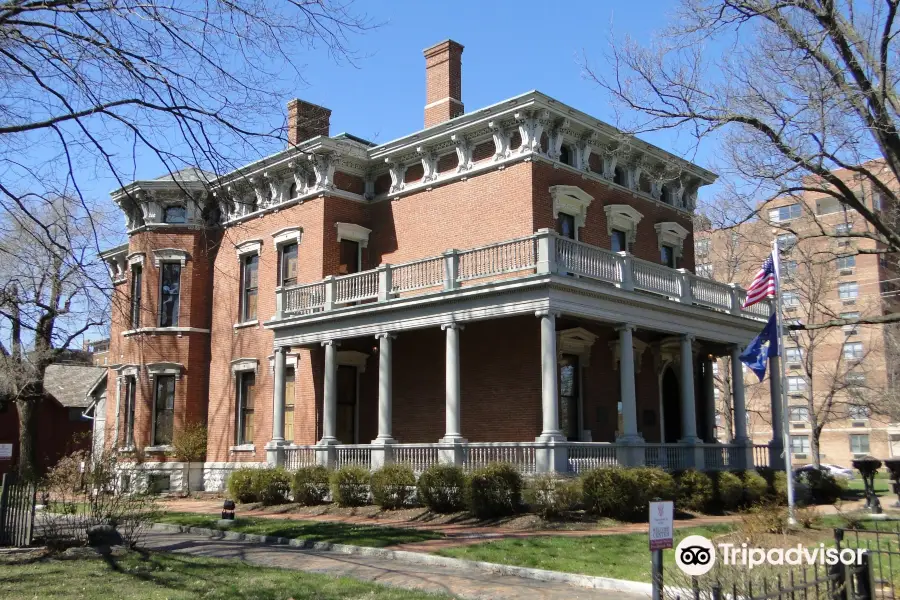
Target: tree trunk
(27,409)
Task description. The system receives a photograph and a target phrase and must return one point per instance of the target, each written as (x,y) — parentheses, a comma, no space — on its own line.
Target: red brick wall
(56,435)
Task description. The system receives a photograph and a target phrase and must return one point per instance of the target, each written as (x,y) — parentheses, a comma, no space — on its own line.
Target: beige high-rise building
(840,381)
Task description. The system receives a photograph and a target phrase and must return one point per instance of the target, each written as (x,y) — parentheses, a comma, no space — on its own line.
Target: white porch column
(382,452)
(326,454)
(739,408)
(274,449)
(627,454)
(554,456)
(454,454)
(688,398)
(709,400)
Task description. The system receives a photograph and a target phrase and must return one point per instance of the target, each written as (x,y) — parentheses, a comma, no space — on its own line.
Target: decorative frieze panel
(531,127)
(323,166)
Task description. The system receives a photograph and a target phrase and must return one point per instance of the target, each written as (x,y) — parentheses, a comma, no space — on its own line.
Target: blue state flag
(763,346)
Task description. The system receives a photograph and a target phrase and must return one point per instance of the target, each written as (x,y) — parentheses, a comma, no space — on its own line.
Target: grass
(618,556)
(318,531)
(177,577)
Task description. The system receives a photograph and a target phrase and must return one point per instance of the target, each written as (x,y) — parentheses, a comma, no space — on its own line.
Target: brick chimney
(306,120)
(443,82)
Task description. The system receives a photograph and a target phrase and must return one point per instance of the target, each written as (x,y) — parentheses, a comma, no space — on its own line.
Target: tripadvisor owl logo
(695,555)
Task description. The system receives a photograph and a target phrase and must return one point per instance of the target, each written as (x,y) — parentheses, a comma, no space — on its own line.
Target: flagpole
(785,429)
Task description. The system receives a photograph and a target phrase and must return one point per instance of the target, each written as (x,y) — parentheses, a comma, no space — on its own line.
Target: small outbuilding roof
(72,385)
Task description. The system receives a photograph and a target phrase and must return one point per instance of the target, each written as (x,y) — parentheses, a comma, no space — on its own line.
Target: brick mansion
(515,283)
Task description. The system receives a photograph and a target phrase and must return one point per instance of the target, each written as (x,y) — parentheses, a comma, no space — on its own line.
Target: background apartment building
(841,380)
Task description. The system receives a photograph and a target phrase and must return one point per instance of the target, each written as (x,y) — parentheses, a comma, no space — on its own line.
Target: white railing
(418,457)
(417,275)
(671,457)
(521,456)
(296,457)
(545,253)
(720,457)
(760,456)
(710,293)
(586,260)
(655,278)
(356,287)
(353,454)
(584,456)
(304,299)
(496,259)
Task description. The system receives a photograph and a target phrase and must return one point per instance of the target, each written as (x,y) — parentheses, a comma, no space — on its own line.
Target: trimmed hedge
(240,485)
(495,491)
(350,486)
(310,485)
(729,490)
(694,490)
(393,486)
(550,496)
(269,486)
(756,488)
(442,488)
(624,493)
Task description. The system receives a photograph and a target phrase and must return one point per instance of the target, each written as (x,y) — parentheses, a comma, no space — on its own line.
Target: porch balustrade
(542,253)
(582,456)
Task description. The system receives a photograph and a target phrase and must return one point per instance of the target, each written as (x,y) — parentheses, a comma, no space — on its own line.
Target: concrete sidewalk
(470,583)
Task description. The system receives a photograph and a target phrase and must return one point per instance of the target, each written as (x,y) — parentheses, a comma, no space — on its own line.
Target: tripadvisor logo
(696,555)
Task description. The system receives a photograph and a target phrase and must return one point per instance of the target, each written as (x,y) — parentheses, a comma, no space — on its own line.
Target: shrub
(824,488)
(765,518)
(729,490)
(694,490)
(442,488)
(310,485)
(271,486)
(551,496)
(624,493)
(802,495)
(807,517)
(755,488)
(350,486)
(393,485)
(495,491)
(240,485)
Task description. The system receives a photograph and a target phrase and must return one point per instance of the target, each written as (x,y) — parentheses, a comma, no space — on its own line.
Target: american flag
(763,284)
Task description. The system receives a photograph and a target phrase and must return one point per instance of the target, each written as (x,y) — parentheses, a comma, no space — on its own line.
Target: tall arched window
(619,176)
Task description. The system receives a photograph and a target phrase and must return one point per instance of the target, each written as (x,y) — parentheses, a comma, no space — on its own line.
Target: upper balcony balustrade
(544,252)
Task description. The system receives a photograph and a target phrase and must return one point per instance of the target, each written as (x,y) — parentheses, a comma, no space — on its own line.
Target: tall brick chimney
(443,82)
(306,120)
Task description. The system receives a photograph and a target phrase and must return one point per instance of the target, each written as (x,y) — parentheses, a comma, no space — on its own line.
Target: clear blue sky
(510,48)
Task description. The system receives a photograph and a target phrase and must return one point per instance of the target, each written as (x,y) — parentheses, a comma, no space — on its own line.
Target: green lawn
(176,577)
(617,556)
(317,531)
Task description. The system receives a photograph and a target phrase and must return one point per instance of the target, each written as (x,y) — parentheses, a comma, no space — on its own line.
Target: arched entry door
(671,399)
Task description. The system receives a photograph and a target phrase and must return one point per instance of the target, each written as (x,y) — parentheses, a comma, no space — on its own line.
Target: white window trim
(571,200)
(670,233)
(624,218)
(135,258)
(291,360)
(638,348)
(354,233)
(164,368)
(352,358)
(170,255)
(242,365)
(248,248)
(288,235)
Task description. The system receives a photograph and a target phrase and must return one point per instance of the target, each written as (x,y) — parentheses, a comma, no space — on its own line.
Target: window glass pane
(796,384)
(289,400)
(164,409)
(853,350)
(787,241)
(859,443)
(705,270)
(618,241)
(349,257)
(799,413)
(843,228)
(289,264)
(848,291)
(667,256)
(565,225)
(702,247)
(246,406)
(568,395)
(799,444)
(793,355)
(175,214)
(251,282)
(129,410)
(790,299)
(137,276)
(846,262)
(858,412)
(789,268)
(170,289)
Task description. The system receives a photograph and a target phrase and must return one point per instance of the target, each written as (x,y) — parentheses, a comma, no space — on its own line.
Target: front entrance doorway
(671,406)
(347,404)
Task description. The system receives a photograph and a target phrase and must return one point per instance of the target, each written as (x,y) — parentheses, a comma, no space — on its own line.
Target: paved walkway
(456,534)
(459,583)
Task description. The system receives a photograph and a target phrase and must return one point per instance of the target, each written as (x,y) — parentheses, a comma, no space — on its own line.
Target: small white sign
(662,528)
(6,451)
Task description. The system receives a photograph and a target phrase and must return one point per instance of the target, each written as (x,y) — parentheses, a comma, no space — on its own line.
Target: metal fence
(17,500)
